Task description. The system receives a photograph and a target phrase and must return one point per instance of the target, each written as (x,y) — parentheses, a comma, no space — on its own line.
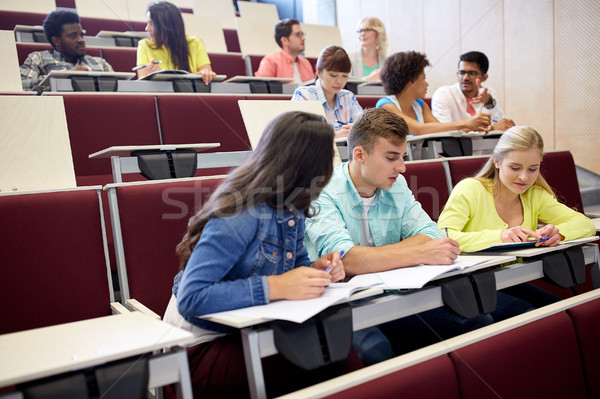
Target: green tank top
(367,69)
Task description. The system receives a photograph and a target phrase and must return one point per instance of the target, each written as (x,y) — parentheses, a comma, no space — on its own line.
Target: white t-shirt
(366,239)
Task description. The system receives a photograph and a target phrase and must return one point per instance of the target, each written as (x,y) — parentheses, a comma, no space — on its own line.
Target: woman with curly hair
(168,47)
(367,63)
(403,78)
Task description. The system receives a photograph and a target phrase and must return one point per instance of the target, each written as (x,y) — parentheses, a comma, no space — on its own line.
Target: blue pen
(543,239)
(446,232)
(328,268)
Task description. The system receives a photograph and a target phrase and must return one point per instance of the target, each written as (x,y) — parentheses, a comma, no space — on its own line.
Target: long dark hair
(169,31)
(290,166)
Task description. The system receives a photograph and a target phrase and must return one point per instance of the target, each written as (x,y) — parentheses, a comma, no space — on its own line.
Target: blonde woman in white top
(367,62)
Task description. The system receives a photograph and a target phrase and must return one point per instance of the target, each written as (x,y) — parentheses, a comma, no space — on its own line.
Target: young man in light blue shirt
(368,211)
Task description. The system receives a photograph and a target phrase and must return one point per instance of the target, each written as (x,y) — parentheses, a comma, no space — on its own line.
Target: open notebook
(416,276)
(297,311)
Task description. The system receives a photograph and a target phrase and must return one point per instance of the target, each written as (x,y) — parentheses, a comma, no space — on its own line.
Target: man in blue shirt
(368,211)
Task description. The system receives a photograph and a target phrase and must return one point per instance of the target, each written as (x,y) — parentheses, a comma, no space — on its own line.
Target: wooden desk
(43,352)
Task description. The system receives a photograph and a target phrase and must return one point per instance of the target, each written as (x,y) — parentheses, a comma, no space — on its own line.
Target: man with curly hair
(64,32)
(468,96)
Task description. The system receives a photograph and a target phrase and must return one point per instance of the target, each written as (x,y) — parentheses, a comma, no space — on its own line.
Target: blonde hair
(382,41)
(517,138)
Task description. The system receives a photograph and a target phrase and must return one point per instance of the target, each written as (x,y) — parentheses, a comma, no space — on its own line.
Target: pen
(543,239)
(342,123)
(446,232)
(137,68)
(328,268)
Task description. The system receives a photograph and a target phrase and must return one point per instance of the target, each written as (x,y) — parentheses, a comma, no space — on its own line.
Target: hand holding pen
(332,263)
(549,236)
(144,70)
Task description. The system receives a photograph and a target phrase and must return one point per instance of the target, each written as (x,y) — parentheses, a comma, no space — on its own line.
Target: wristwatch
(491,103)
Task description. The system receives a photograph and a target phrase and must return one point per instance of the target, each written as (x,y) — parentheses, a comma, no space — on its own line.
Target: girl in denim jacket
(245,247)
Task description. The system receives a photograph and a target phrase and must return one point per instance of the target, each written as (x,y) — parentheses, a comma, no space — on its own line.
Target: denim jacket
(228,267)
(394,215)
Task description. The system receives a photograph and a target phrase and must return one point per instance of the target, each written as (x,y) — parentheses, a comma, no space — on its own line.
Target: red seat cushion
(537,360)
(427,181)
(433,379)
(52,257)
(586,319)
(154,218)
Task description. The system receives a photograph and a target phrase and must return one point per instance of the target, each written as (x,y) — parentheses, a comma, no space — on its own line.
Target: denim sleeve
(205,286)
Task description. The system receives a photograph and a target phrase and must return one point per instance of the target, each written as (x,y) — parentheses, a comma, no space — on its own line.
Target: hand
(80,68)
(439,251)
(478,122)
(343,131)
(503,124)
(334,260)
(552,233)
(299,283)
(207,75)
(151,67)
(518,234)
(482,97)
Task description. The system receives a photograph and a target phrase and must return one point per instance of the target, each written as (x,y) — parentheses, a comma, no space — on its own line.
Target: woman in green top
(367,62)
(507,201)
(168,47)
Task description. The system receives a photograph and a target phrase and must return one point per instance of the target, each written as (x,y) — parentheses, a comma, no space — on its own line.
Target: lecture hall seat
(153,217)
(515,364)
(427,181)
(53,256)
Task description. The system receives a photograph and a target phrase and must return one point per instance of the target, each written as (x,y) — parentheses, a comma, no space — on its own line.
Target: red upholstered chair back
(231,40)
(558,168)
(96,122)
(427,181)
(461,168)
(121,59)
(8,19)
(411,382)
(515,364)
(228,64)
(255,62)
(53,261)
(427,101)
(203,119)
(586,319)
(94,25)
(154,218)
(367,102)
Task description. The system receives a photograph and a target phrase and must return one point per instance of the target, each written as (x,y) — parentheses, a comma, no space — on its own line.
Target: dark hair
(169,31)
(55,20)
(478,58)
(374,123)
(283,28)
(334,58)
(399,69)
(291,164)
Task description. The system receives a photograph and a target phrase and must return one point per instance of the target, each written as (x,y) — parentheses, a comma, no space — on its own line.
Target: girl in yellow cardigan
(508,198)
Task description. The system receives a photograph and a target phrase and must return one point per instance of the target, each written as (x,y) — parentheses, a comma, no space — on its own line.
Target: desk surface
(529,252)
(454,133)
(246,79)
(242,322)
(125,151)
(41,352)
(596,224)
(71,73)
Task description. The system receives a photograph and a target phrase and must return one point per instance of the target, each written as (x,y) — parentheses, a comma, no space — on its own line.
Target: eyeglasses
(472,74)
(365,30)
(298,34)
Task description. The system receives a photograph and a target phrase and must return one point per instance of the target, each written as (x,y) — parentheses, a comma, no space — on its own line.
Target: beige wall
(544,57)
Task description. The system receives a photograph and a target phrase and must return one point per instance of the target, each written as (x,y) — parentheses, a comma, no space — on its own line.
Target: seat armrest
(134,304)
